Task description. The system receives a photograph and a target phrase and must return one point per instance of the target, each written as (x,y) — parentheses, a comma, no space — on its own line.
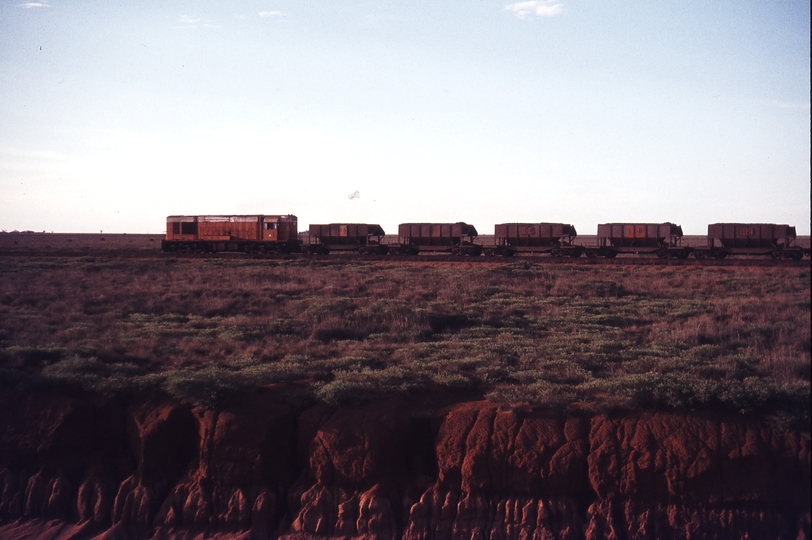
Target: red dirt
(71,467)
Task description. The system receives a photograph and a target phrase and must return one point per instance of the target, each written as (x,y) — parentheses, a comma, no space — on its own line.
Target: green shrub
(30,357)
(210,388)
(343,392)
(455,381)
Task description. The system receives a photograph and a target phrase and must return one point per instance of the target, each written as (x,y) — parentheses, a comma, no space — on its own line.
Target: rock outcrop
(74,467)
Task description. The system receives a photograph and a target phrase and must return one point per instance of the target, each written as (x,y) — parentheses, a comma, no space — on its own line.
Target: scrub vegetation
(568,338)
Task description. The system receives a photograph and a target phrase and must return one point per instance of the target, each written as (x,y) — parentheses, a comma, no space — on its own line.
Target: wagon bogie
(407,250)
(674,253)
(374,250)
(501,251)
(467,250)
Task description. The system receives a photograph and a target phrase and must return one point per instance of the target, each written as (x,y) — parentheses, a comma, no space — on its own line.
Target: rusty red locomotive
(256,233)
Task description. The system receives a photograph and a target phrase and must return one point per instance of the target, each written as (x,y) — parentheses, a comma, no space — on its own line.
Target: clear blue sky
(115,114)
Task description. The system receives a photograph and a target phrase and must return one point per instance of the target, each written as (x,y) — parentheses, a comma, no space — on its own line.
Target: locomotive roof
(234,218)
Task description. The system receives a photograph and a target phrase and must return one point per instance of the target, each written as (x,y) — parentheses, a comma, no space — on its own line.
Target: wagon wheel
(699,254)
(798,255)
(610,254)
(662,254)
(776,255)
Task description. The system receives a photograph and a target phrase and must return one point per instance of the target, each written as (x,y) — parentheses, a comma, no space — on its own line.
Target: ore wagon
(661,239)
(362,238)
(553,238)
(454,238)
(254,233)
(751,239)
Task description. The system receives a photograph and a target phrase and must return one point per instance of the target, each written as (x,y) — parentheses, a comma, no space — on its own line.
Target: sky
(115,114)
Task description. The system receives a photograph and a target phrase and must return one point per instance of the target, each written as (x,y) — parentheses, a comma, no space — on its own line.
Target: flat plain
(573,338)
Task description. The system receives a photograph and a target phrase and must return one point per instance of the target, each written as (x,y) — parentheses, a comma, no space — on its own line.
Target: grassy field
(568,338)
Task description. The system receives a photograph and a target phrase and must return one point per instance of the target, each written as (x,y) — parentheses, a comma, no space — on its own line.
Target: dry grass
(734,340)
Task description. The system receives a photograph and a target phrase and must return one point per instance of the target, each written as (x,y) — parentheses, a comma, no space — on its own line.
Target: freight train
(279,234)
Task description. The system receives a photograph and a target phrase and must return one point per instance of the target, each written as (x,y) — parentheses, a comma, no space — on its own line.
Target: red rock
(472,470)
(94,501)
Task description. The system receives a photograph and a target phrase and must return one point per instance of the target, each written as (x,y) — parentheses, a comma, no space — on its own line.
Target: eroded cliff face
(78,468)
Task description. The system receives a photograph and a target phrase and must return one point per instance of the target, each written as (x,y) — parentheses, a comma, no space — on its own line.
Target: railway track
(340,258)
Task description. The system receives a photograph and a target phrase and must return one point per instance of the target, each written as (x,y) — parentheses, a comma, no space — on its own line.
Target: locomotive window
(188,228)
(176,228)
(270,226)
